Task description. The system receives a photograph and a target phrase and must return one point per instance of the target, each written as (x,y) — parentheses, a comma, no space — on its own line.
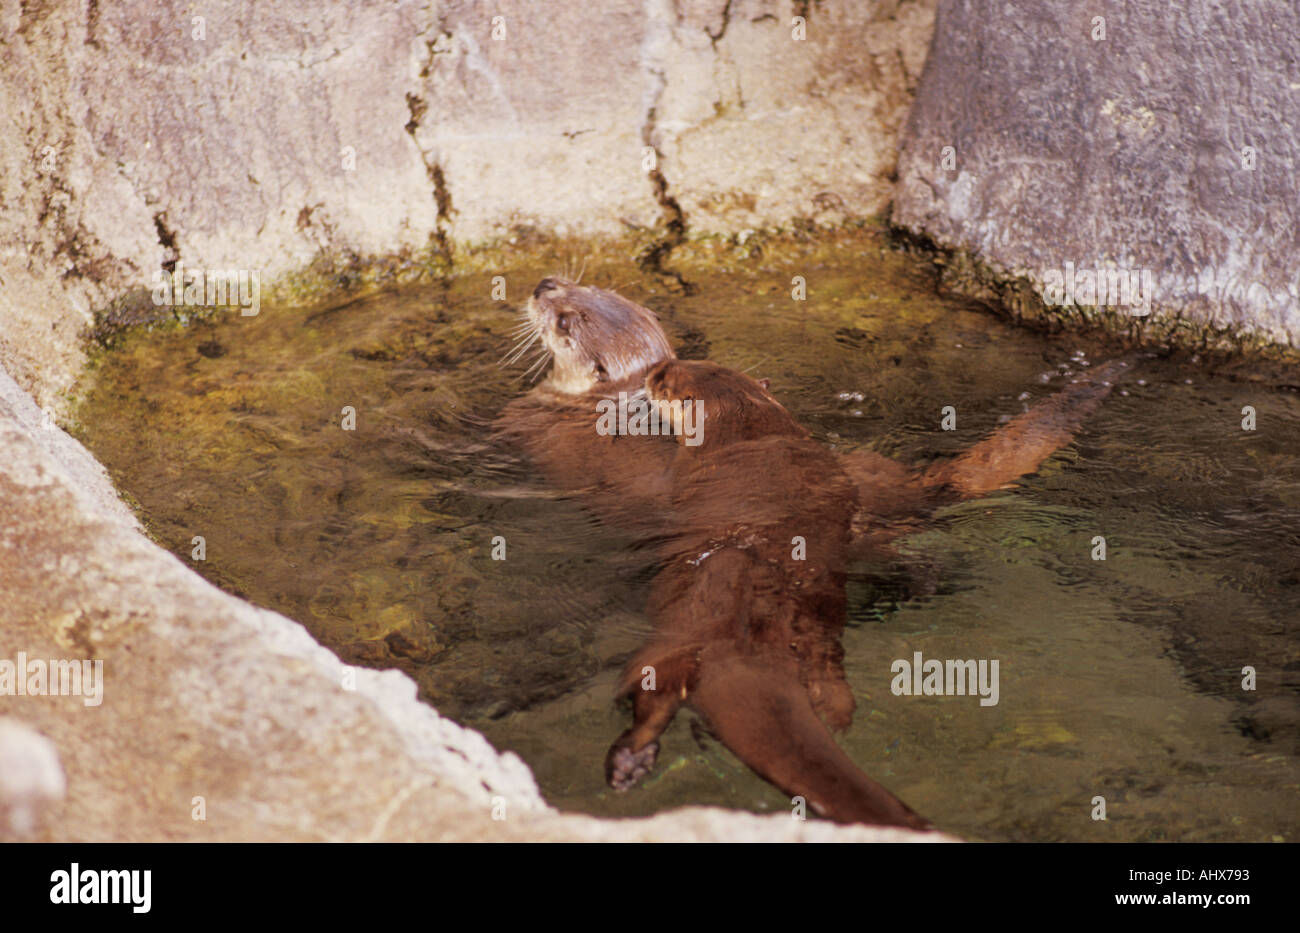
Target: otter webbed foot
(624,768)
(633,754)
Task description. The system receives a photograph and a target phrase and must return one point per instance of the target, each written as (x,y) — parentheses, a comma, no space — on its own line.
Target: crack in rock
(716,37)
(167,240)
(659,20)
(437,178)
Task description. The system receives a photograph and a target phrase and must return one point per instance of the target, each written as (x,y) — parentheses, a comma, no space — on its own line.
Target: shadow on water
(1119,678)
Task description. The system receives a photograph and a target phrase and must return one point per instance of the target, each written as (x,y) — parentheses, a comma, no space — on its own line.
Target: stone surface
(1125,152)
(31,777)
(261,136)
(750,127)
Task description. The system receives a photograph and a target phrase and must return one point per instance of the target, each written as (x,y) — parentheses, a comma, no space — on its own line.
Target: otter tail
(768,721)
(1020,446)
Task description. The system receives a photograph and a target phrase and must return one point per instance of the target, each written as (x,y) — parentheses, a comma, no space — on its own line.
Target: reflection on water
(1120,678)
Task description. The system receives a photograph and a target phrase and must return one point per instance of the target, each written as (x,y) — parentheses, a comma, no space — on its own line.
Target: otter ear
(765,383)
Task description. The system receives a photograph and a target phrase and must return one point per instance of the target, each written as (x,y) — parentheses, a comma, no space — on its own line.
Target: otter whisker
(540,352)
(522,347)
(539,366)
(513,353)
(515,356)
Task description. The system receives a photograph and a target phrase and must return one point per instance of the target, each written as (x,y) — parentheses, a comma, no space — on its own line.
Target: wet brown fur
(745,633)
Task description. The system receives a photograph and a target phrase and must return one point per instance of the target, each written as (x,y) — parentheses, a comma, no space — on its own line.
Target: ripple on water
(1119,677)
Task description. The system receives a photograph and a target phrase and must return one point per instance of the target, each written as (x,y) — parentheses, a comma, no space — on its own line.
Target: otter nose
(545,285)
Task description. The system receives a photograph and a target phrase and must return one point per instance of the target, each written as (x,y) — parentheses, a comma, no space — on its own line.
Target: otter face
(597,340)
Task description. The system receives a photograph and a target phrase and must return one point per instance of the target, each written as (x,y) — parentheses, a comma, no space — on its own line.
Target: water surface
(1119,678)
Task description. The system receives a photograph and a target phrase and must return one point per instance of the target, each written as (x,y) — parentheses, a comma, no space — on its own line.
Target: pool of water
(1119,678)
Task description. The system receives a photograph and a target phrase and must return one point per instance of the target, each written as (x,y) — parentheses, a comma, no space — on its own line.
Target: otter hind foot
(624,768)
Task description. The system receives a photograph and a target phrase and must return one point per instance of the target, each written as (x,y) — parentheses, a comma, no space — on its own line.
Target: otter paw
(624,767)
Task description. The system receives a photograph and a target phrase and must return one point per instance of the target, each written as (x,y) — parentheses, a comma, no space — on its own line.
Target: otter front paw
(624,767)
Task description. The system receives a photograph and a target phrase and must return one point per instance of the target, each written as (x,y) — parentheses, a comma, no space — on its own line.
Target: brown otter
(599,344)
(749,602)
(752,529)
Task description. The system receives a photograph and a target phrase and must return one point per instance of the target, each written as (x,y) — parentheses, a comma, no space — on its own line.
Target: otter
(751,527)
(749,602)
(599,344)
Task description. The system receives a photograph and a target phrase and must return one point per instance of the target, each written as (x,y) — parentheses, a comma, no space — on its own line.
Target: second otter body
(749,603)
(752,529)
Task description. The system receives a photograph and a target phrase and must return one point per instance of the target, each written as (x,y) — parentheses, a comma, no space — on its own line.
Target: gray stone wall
(1170,142)
(254,136)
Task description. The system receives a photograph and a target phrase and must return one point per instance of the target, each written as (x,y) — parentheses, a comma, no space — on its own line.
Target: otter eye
(602,375)
(562,323)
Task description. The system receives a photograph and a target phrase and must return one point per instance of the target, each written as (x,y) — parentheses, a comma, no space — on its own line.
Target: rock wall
(254,136)
(259,137)
(1135,136)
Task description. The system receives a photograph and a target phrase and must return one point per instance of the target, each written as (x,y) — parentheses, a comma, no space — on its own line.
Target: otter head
(728,406)
(597,340)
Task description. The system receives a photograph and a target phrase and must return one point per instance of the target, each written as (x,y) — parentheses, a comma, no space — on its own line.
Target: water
(1119,678)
